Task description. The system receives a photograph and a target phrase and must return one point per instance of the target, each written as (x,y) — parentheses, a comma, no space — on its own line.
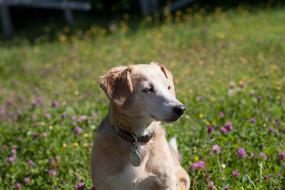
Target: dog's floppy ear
(166,72)
(169,76)
(117,84)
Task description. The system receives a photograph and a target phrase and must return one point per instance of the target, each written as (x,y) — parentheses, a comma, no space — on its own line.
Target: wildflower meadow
(229,69)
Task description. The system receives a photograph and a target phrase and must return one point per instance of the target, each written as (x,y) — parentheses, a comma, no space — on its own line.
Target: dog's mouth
(167,120)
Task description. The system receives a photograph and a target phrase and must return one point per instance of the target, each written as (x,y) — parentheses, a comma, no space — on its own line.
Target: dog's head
(144,90)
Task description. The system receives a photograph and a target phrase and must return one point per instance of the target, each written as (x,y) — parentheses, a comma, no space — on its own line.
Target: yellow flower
(62,38)
(75,144)
(201,115)
(86,145)
(196,158)
(241,83)
(207,122)
(64,145)
(50,127)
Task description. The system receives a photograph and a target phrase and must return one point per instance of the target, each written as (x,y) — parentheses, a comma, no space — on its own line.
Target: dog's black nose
(179,110)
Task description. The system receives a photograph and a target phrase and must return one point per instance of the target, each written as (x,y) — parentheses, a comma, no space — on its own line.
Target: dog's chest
(138,178)
(130,177)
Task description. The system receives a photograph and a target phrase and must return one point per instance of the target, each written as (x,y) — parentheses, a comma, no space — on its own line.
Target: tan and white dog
(130,151)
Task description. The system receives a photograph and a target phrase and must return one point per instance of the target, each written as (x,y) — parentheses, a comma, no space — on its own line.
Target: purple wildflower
(282,155)
(263,155)
(74,118)
(229,126)
(216,149)
(31,163)
(235,173)
(210,129)
(270,130)
(82,118)
(54,162)
(37,101)
(52,172)
(223,130)
(80,186)
(18,185)
(11,159)
(259,98)
(77,130)
(27,181)
(198,165)
(221,114)
(54,104)
(241,152)
(266,177)
(252,120)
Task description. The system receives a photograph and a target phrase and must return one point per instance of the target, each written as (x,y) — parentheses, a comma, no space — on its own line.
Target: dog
(130,151)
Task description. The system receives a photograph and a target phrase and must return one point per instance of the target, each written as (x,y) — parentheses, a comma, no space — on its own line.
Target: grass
(228,67)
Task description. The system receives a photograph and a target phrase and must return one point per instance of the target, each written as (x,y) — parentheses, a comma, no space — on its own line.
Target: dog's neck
(140,126)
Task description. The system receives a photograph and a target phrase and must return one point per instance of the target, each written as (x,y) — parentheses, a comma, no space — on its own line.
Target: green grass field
(228,67)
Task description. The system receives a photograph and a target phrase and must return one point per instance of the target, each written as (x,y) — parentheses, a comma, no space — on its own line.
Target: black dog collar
(131,137)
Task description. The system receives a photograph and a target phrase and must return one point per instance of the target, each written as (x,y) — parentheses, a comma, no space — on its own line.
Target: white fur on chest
(137,178)
(131,177)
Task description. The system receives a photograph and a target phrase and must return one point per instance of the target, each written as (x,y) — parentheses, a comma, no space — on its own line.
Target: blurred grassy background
(206,48)
(224,61)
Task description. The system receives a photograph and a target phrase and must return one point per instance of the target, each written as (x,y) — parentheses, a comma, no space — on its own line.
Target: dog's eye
(149,89)
(169,87)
